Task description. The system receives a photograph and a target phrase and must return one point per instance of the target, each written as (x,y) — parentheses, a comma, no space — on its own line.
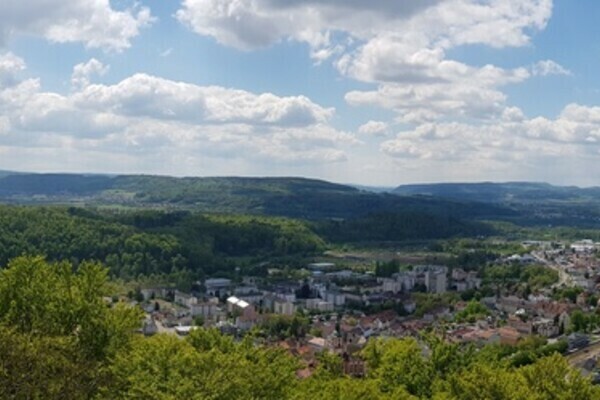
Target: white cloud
(148,96)
(374,128)
(95,23)
(549,67)
(83,72)
(144,116)
(259,23)
(422,85)
(400,45)
(10,66)
(517,146)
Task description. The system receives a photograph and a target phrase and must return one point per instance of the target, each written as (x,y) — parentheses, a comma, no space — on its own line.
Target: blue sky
(378,93)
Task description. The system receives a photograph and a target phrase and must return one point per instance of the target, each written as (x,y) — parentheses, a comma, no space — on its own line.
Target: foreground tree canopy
(61,340)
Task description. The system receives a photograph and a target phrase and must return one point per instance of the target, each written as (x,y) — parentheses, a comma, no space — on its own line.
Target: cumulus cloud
(259,23)
(10,66)
(145,115)
(143,95)
(516,144)
(82,73)
(374,128)
(399,45)
(95,23)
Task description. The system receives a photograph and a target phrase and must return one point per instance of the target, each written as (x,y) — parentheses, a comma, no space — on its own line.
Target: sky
(379,92)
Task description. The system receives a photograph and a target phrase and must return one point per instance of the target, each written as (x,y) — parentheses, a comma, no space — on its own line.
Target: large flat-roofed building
(217,286)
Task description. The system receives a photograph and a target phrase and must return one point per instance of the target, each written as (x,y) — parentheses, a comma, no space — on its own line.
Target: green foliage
(61,340)
(472,312)
(50,299)
(345,388)
(568,293)
(56,330)
(400,363)
(387,269)
(399,226)
(179,246)
(583,322)
(427,302)
(78,235)
(45,367)
(203,367)
(532,276)
(472,260)
(283,326)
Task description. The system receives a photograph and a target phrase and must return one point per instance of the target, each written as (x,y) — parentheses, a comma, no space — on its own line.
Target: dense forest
(148,242)
(153,242)
(62,340)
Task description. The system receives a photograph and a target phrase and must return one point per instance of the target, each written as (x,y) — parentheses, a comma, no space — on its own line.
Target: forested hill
(184,245)
(534,203)
(150,242)
(290,197)
(510,192)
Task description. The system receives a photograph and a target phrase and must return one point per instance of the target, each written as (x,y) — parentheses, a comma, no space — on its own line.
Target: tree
(553,378)
(49,299)
(399,363)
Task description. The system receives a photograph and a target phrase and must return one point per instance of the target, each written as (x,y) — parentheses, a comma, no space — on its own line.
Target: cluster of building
(336,298)
(576,262)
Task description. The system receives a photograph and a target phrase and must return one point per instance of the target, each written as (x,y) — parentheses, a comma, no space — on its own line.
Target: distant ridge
(283,196)
(490,192)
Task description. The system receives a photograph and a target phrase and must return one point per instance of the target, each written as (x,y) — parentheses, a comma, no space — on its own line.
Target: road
(580,356)
(563,277)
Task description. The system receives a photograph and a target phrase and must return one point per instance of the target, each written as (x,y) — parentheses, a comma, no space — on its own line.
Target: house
(545,327)
(511,304)
(317,344)
(481,337)
(184,299)
(336,298)
(435,279)
(473,282)
(283,307)
(521,325)
(150,328)
(206,310)
(378,321)
(583,246)
(509,335)
(408,279)
(152,293)
(319,305)
(391,285)
(217,286)
(459,274)
(244,313)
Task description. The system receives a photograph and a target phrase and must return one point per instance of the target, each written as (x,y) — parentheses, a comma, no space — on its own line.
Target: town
(334,309)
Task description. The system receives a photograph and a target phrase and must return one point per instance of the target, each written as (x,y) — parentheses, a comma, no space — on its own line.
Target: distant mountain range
(292,197)
(509,192)
(523,202)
